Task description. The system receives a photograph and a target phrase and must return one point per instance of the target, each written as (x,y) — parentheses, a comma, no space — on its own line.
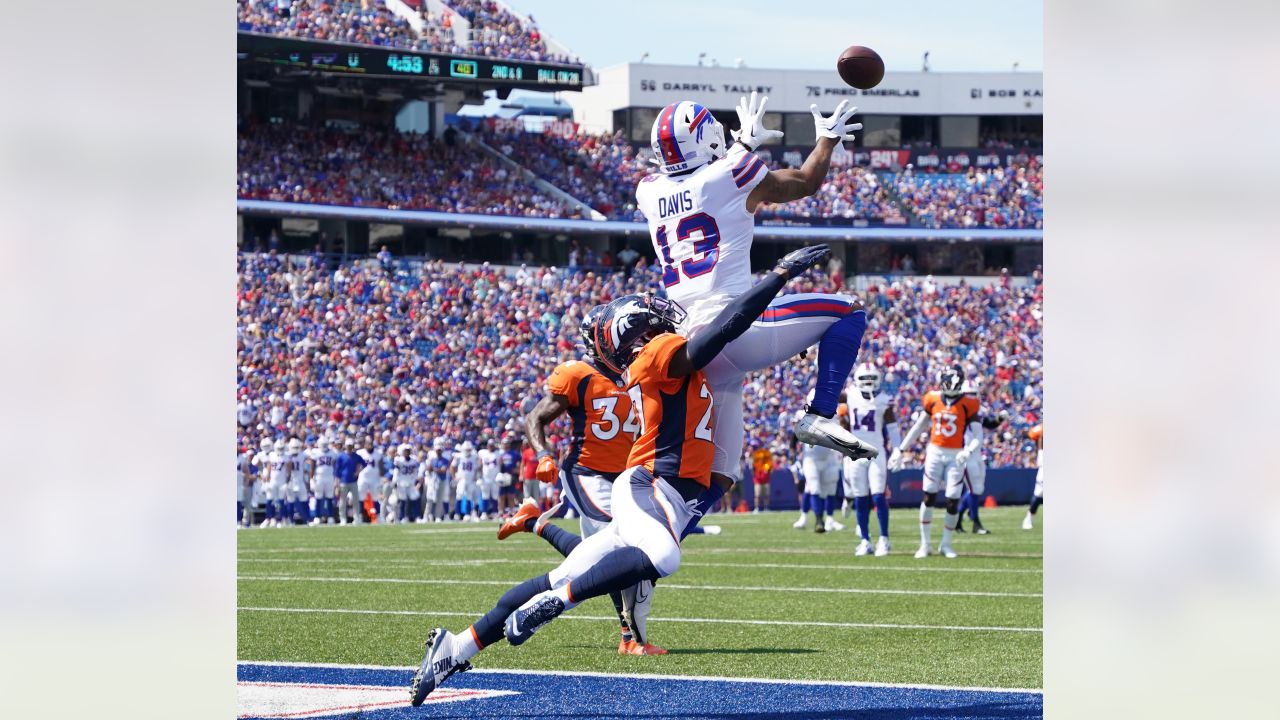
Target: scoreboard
(345,59)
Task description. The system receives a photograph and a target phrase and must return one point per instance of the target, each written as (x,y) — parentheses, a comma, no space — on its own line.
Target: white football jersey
(702,232)
(467,466)
(324,460)
(866,417)
(488,463)
(296,460)
(406,469)
(372,469)
(281,465)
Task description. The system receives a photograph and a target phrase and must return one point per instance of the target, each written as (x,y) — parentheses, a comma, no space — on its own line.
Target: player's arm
(781,186)
(551,406)
(973,441)
(895,459)
(892,430)
(738,315)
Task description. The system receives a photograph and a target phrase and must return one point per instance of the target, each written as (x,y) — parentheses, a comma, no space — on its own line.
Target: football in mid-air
(860,67)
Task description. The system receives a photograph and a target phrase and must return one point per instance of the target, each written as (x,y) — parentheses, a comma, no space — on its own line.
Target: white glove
(962,458)
(895,460)
(837,126)
(752,132)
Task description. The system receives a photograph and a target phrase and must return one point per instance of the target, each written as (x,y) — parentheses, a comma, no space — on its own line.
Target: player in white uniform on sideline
(820,467)
(369,481)
(261,480)
(323,481)
(436,485)
(465,469)
(298,493)
(276,486)
(871,420)
(700,208)
(405,476)
(488,456)
(243,485)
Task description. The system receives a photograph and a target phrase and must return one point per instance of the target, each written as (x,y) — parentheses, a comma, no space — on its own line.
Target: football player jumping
(658,499)
(955,435)
(700,207)
(603,430)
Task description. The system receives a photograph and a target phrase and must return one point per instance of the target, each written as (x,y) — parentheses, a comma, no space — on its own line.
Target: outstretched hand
(798,261)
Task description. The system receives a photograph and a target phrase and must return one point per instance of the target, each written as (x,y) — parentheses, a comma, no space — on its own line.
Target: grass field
(762,600)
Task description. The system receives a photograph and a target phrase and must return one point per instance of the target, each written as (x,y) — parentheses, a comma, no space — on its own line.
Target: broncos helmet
(685,136)
(951,380)
(866,377)
(628,322)
(586,330)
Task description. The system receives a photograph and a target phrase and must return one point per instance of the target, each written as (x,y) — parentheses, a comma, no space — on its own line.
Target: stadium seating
(1003,197)
(389,169)
(407,351)
(495,32)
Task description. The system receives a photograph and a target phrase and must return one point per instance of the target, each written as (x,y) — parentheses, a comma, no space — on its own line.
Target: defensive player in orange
(1037,496)
(954,420)
(667,485)
(601,436)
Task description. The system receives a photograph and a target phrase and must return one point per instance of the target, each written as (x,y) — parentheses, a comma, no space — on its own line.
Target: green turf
(759,569)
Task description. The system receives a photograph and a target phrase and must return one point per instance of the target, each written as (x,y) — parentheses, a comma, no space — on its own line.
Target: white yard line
(645,676)
(858,566)
(614,618)
(664,585)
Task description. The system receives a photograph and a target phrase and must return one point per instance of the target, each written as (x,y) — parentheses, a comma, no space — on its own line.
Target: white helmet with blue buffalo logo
(685,136)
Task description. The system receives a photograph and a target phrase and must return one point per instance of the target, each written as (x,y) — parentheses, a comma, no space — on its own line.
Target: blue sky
(961,35)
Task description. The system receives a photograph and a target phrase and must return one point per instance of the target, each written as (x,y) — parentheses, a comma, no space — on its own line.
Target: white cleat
(831,525)
(923,552)
(438,664)
(711,529)
(799,524)
(1026,522)
(864,548)
(883,547)
(946,551)
(813,429)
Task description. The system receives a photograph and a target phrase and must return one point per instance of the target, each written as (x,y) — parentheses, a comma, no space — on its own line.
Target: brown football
(860,67)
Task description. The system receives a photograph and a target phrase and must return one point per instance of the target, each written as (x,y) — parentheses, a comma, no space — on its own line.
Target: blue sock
(1036,502)
(833,502)
(818,504)
(697,530)
(616,571)
(882,513)
(837,351)
(491,628)
(562,540)
(975,502)
(404,510)
(804,503)
(862,508)
(239,512)
(706,501)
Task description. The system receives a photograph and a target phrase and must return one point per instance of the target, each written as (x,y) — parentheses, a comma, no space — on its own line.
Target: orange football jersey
(601,415)
(949,421)
(674,415)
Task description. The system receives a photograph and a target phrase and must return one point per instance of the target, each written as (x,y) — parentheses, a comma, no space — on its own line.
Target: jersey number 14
(706,248)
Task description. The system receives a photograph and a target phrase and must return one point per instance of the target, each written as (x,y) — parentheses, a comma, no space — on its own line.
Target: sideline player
(405,477)
(464,468)
(700,207)
(297,492)
(369,481)
(508,471)
(324,484)
(488,456)
(1037,496)
(278,488)
(244,489)
(602,431)
(975,473)
(435,486)
(953,418)
(872,420)
(663,493)
(820,467)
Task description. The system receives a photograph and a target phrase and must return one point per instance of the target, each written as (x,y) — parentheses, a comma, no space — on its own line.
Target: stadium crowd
(386,351)
(384,168)
(495,32)
(1001,197)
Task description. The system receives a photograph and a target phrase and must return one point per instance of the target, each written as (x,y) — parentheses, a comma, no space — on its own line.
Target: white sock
(561,592)
(465,645)
(948,527)
(926,527)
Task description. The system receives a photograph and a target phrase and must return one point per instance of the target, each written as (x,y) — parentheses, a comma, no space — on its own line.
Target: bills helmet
(279,446)
(295,445)
(628,322)
(951,380)
(323,443)
(866,377)
(587,328)
(686,136)
(266,444)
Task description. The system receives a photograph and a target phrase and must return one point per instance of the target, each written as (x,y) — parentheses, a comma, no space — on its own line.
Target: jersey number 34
(706,248)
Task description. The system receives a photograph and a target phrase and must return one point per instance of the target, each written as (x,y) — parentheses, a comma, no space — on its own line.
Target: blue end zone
(542,695)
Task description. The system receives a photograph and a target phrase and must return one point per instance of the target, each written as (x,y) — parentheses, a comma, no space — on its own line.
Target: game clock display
(362,60)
